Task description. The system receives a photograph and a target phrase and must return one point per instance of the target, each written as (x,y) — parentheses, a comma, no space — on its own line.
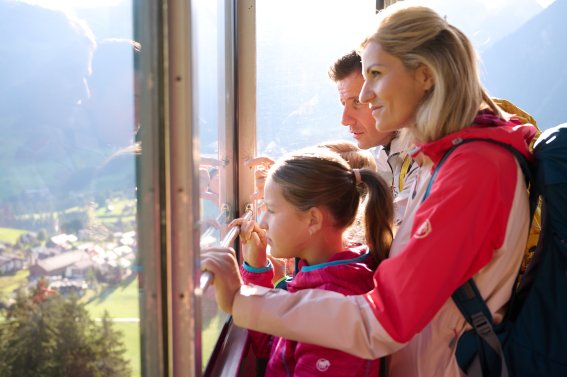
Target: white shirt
(389,162)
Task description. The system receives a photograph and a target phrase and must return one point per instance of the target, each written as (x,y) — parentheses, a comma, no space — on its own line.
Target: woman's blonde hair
(419,36)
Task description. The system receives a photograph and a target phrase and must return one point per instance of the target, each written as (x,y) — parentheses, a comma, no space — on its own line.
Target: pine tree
(76,355)
(111,350)
(29,340)
(52,336)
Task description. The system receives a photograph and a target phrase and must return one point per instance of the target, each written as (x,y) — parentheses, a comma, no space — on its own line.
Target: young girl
(311,198)
(357,158)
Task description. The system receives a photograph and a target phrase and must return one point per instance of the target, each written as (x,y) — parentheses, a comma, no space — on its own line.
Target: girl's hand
(254,242)
(279,268)
(227,280)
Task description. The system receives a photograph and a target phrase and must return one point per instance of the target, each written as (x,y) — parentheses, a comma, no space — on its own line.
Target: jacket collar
(487,126)
(344,268)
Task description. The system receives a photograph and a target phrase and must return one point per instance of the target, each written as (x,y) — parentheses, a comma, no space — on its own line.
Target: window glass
(518,43)
(68,245)
(210,90)
(297,103)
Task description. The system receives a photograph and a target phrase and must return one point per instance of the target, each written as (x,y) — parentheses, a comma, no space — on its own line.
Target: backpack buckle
(481,324)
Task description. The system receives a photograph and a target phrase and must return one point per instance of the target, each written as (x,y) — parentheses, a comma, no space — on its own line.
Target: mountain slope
(528,67)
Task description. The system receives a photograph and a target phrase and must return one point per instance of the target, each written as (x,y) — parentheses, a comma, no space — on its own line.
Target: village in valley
(100,252)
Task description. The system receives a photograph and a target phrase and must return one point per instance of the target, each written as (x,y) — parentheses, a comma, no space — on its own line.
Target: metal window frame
(149,65)
(183,205)
(246,96)
(168,168)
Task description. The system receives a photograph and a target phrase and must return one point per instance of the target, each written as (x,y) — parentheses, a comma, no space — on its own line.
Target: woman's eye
(356,102)
(375,74)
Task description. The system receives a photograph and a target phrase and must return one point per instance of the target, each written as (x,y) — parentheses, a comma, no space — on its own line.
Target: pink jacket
(348,272)
(473,224)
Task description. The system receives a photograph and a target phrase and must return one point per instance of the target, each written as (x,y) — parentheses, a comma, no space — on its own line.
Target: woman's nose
(366,95)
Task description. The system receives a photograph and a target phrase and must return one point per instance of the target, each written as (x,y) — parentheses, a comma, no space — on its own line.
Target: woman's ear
(425,77)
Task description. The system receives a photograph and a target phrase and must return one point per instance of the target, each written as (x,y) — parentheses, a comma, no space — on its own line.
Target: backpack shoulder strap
(522,161)
(473,307)
(467,297)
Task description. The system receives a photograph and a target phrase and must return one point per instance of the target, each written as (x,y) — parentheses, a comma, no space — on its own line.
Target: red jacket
(349,272)
(473,224)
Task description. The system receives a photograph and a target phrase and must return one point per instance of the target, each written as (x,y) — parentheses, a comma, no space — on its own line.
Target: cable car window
(297,103)
(68,243)
(212,87)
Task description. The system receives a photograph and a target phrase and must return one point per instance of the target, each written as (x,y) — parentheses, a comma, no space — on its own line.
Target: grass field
(10,235)
(10,282)
(131,332)
(122,302)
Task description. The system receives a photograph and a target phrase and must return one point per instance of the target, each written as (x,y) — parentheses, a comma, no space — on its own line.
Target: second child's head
(357,158)
(312,197)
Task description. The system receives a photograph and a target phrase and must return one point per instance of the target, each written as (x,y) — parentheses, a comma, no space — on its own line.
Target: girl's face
(287,227)
(392,91)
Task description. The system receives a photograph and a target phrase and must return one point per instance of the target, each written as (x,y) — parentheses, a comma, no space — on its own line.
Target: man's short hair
(345,66)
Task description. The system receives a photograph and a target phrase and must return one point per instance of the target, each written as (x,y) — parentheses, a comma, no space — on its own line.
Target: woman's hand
(254,242)
(227,280)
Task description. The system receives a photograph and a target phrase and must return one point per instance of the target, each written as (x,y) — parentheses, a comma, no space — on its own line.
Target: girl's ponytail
(378,213)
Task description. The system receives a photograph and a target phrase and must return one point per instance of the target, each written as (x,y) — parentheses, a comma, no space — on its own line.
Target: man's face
(357,116)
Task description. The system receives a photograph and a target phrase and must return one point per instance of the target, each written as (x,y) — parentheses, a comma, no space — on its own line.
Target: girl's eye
(356,102)
(375,74)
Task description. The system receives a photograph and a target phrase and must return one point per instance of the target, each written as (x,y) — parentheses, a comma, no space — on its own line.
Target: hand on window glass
(261,165)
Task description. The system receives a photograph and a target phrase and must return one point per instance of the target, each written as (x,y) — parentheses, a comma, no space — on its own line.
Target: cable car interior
(129,123)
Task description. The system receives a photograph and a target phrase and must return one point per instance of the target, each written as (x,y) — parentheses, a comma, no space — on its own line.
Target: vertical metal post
(150,166)
(184,193)
(246,93)
(379,5)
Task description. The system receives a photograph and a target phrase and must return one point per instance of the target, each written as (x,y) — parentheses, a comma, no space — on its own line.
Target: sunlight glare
(545,3)
(73,4)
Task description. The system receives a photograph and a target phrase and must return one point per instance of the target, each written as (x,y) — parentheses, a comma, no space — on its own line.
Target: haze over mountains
(528,66)
(66,109)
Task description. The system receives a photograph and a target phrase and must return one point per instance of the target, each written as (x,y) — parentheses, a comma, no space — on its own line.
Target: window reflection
(68,247)
(210,88)
(298,104)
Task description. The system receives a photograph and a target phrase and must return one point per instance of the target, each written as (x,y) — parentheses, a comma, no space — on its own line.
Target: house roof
(62,260)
